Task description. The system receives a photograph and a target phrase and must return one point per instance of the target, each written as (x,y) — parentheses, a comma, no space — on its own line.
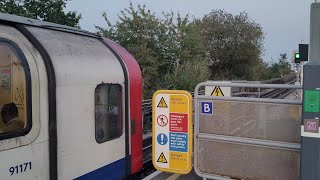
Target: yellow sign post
(172,131)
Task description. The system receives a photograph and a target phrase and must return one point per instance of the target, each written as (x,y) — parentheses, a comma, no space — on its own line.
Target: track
(278,93)
(147,149)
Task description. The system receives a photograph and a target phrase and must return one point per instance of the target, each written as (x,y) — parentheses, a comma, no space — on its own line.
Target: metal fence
(247,138)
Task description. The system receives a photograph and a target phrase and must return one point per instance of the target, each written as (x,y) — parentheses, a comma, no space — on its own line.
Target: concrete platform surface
(159,175)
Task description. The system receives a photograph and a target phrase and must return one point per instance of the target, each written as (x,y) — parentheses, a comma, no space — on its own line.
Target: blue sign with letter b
(207,108)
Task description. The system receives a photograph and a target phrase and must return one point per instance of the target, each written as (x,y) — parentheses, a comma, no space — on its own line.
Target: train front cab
(73,92)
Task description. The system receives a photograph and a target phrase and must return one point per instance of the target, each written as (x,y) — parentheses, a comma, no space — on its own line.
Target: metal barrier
(247,138)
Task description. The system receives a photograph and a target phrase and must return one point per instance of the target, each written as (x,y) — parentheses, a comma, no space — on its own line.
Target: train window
(108,112)
(14,88)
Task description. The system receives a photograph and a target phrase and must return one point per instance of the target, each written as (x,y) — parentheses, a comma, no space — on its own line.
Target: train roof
(9,18)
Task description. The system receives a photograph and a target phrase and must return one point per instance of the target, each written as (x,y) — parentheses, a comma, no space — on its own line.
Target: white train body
(67,74)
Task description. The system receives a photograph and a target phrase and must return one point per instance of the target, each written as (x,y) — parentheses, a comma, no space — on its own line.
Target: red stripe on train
(135,80)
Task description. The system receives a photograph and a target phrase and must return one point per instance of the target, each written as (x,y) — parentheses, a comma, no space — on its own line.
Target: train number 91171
(20,168)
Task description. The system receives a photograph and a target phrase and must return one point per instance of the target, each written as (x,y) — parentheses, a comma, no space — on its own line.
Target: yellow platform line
(173,177)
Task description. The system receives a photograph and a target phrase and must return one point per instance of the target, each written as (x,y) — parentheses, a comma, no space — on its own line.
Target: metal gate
(247,138)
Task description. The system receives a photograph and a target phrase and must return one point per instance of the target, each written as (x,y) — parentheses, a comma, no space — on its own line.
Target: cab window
(14,78)
(108,112)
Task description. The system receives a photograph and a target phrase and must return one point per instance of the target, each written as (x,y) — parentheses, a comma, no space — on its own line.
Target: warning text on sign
(178,142)
(178,160)
(179,104)
(179,122)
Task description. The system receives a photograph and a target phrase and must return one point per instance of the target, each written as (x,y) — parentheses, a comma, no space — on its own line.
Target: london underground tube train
(70,104)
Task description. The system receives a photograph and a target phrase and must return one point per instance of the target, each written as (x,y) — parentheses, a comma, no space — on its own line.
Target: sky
(286,23)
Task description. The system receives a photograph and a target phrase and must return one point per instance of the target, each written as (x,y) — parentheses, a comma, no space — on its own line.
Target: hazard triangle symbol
(162,103)
(162,158)
(217,91)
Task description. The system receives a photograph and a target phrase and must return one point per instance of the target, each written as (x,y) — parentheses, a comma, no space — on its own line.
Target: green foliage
(281,68)
(235,44)
(175,52)
(262,71)
(169,50)
(46,10)
(187,76)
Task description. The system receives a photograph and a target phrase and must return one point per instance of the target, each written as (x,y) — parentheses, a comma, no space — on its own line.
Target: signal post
(310,135)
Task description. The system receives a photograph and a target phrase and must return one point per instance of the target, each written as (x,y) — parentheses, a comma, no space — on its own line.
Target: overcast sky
(285,22)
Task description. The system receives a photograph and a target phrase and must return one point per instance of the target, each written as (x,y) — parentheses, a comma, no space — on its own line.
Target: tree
(262,71)
(281,68)
(187,76)
(46,10)
(167,49)
(188,57)
(234,44)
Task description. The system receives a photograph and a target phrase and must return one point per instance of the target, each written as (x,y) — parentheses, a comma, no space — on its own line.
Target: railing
(263,93)
(247,129)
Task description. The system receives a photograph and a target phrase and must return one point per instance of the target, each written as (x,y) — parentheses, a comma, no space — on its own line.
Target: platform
(159,175)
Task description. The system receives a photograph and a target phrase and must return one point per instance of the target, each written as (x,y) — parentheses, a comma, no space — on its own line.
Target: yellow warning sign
(162,103)
(162,158)
(178,160)
(172,137)
(217,91)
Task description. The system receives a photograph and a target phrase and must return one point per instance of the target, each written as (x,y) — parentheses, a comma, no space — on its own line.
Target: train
(71,104)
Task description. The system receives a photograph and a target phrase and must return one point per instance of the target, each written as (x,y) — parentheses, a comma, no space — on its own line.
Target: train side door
(23,148)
